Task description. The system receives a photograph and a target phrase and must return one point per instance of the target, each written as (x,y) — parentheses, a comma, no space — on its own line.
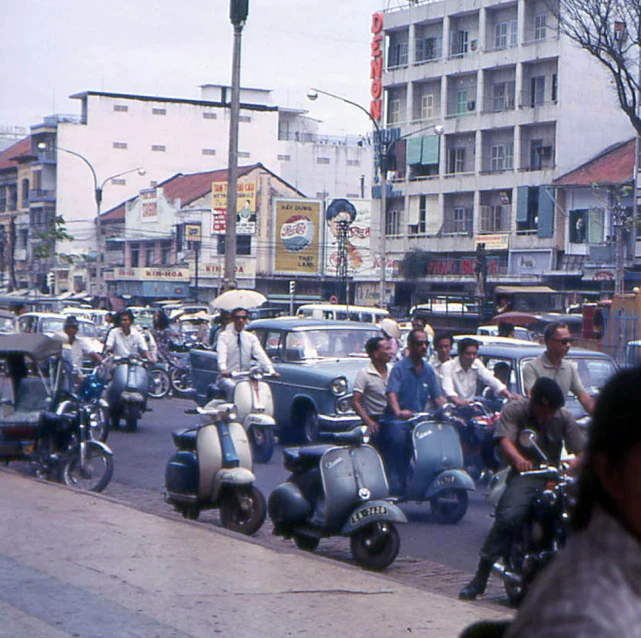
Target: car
(317,361)
(595,368)
(52,324)
(520,333)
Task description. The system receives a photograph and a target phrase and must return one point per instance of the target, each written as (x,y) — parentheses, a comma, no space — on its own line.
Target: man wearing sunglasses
(236,349)
(553,364)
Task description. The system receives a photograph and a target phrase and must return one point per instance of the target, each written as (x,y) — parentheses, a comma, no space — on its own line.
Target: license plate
(373,510)
(445,480)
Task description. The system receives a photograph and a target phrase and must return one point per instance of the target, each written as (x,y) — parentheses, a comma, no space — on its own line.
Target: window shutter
(545,226)
(430,152)
(521,203)
(414,150)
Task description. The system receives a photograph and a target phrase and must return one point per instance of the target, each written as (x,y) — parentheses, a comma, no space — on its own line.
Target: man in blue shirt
(411,386)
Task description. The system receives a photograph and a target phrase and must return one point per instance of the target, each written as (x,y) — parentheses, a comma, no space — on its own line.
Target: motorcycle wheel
(262,443)
(306,543)
(449,507)
(159,383)
(96,473)
(519,547)
(180,379)
(376,545)
(243,510)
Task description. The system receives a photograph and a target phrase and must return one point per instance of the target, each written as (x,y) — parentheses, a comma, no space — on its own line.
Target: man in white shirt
(442,344)
(76,347)
(460,375)
(236,348)
(125,340)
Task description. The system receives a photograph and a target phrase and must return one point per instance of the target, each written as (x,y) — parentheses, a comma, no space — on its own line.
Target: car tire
(310,428)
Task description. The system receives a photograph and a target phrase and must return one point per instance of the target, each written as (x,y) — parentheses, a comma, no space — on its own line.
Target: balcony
(42,195)
(47,157)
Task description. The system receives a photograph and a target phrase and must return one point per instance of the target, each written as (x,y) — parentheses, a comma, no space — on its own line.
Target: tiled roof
(614,165)
(9,157)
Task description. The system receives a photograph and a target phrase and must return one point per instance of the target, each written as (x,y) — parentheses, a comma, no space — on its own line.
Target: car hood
(347,367)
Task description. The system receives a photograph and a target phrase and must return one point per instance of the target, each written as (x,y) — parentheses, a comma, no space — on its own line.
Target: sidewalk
(74,564)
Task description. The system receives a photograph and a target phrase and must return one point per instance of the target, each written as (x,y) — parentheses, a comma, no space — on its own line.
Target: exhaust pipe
(500,571)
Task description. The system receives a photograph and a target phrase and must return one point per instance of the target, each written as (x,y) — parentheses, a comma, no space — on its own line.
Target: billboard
(297,236)
(149,200)
(245,207)
(360,255)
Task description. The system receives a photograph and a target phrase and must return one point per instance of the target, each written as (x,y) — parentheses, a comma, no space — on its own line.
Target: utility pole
(239,10)
(343,259)
(618,220)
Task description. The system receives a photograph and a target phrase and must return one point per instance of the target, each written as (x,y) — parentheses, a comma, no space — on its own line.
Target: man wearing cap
(555,426)
(553,364)
(76,347)
(236,348)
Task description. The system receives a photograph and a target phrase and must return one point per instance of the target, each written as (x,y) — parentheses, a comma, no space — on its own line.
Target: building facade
(519,105)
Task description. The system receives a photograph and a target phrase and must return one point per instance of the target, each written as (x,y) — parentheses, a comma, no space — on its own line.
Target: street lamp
(382,149)
(98,199)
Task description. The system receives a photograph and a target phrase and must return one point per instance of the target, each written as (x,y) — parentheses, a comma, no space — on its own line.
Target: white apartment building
(519,104)
(117,134)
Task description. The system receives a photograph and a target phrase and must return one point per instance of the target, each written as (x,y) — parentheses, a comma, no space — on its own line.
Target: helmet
(390,328)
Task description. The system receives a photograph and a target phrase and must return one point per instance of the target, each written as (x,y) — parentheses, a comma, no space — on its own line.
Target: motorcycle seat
(302,459)
(185,438)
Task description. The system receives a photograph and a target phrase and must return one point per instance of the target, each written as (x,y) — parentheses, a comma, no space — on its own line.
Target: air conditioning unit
(471,105)
(473,45)
(412,229)
(545,152)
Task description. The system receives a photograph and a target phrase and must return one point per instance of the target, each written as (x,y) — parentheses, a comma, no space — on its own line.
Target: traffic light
(238,11)
(292,287)
(51,281)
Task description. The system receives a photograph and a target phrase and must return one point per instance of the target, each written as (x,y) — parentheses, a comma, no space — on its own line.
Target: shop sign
(376,68)
(152,273)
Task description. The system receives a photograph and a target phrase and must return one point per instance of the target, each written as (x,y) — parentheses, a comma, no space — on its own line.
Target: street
(140,461)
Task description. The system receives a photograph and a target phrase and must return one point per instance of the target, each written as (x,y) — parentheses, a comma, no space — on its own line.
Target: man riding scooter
(236,348)
(411,385)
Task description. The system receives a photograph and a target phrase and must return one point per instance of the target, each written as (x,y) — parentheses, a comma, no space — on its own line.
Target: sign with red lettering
(376,68)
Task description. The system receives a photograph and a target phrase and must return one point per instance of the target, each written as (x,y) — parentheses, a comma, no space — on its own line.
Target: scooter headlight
(339,386)
(232,413)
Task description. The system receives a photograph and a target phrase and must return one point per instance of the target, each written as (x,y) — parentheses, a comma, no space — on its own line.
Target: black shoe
(476,587)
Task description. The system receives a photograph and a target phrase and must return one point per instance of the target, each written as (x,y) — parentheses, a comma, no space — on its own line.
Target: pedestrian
(370,386)
(593,588)
(544,414)
(412,387)
(553,364)
(392,333)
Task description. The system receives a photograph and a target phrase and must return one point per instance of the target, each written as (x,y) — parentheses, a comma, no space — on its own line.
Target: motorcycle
(475,425)
(159,381)
(338,489)
(127,393)
(436,471)
(253,400)
(212,468)
(543,532)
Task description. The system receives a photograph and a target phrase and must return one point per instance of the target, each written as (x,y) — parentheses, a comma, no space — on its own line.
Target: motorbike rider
(442,343)
(236,348)
(76,346)
(412,383)
(370,398)
(544,414)
(125,340)
(552,363)
(460,375)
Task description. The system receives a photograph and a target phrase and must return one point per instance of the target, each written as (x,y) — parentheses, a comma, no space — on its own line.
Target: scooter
(212,468)
(338,490)
(128,391)
(436,471)
(253,400)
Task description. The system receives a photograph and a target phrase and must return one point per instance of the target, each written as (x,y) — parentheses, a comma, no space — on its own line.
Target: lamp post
(98,199)
(239,9)
(382,148)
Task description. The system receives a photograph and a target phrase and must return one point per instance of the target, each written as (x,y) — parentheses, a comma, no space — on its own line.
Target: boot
(476,587)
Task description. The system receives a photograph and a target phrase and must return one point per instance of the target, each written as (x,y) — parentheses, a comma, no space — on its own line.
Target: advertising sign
(149,200)
(245,267)
(245,207)
(152,273)
(193,232)
(498,241)
(296,237)
(357,213)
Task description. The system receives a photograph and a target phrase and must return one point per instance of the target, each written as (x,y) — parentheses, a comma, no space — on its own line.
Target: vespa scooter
(128,391)
(338,490)
(436,471)
(212,468)
(253,400)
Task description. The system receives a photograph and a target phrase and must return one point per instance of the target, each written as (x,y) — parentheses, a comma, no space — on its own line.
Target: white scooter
(212,468)
(255,406)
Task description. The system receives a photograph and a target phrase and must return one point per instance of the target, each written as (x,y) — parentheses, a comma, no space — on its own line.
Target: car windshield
(594,371)
(49,326)
(301,345)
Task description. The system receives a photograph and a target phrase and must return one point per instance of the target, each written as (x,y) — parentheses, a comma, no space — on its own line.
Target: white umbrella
(238,299)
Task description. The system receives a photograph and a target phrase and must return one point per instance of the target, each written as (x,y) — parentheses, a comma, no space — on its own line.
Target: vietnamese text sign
(244,267)
(152,273)
(297,245)
(245,207)
(498,241)
(149,200)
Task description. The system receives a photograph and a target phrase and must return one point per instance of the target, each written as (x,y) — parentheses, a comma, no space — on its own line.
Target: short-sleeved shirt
(566,375)
(412,390)
(437,364)
(463,383)
(371,384)
(518,416)
(125,345)
(77,351)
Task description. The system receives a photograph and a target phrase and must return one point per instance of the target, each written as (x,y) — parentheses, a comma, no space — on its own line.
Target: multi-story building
(519,105)
(118,134)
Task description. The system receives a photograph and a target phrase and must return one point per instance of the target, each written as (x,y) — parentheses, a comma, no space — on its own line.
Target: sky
(52,49)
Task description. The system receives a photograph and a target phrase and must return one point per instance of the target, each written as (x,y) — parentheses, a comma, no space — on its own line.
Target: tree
(57,232)
(610,31)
